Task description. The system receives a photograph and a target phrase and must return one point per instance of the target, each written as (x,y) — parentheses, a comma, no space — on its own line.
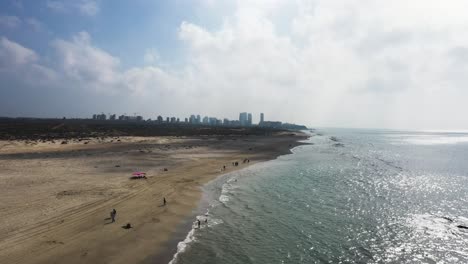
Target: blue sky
(123,28)
(354,63)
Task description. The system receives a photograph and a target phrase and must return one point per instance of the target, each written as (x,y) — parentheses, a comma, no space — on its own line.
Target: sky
(324,63)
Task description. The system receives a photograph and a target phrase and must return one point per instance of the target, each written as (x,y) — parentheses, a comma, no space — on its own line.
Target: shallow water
(370,197)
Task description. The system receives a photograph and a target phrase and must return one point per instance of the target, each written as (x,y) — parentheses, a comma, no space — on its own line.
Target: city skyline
(245,119)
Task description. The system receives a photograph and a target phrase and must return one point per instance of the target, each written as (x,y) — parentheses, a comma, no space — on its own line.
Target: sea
(350,196)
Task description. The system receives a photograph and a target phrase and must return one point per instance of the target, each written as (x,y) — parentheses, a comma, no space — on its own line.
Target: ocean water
(353,196)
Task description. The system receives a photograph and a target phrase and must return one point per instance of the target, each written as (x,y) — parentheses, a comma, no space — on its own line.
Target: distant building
(262,118)
(100,117)
(167,119)
(249,119)
(186,120)
(193,119)
(112,117)
(139,118)
(214,121)
(173,119)
(198,120)
(243,119)
(206,120)
(234,123)
(160,119)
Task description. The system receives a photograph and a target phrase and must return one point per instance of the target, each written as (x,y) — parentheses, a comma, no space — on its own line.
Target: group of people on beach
(199,222)
(113,213)
(236,163)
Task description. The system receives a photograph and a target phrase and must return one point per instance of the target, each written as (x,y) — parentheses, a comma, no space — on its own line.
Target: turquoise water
(364,197)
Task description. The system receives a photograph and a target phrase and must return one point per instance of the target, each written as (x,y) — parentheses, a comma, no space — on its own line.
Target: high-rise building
(249,119)
(262,118)
(198,119)
(160,119)
(243,119)
(206,120)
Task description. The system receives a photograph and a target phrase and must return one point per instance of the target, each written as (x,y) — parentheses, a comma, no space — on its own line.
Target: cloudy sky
(343,63)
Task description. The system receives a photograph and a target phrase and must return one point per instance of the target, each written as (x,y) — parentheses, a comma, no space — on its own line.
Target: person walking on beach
(198,222)
(113,213)
(164,201)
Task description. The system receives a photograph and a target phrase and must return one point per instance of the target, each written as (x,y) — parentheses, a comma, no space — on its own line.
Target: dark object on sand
(164,200)
(447,218)
(113,213)
(64,142)
(165,169)
(117,166)
(127,226)
(462,226)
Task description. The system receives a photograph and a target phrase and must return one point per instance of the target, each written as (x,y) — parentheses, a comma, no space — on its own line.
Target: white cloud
(85,63)
(84,7)
(353,63)
(151,56)
(10,22)
(89,7)
(13,54)
(23,64)
(94,68)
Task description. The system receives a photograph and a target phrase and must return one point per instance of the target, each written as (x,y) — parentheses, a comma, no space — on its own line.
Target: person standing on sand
(113,213)
(164,201)
(198,222)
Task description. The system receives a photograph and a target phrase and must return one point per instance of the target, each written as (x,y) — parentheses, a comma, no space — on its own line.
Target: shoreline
(186,227)
(79,234)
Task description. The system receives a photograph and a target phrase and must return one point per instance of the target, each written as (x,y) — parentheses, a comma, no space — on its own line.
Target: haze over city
(379,64)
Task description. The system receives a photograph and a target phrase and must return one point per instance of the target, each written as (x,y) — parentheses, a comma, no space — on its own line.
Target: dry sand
(56,198)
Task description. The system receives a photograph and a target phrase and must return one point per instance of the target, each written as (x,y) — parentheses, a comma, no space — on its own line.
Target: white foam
(190,238)
(182,246)
(223,198)
(226,189)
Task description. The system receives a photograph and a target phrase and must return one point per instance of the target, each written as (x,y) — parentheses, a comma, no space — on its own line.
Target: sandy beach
(56,198)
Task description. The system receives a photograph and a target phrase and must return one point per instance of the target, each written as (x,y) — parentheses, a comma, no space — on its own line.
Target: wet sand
(56,198)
